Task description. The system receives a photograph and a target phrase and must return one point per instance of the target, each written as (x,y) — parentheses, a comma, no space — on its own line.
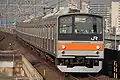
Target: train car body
(76,40)
(80,43)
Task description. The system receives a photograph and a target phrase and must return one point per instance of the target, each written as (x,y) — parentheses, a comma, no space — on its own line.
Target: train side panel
(42,37)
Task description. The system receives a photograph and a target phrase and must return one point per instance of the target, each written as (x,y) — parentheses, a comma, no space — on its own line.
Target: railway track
(92,77)
(45,67)
(42,64)
(48,64)
(52,66)
(88,77)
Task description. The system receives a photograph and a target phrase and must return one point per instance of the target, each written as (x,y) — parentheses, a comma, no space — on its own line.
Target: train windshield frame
(77,25)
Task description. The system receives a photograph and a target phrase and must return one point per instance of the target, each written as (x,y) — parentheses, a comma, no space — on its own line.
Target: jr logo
(94,38)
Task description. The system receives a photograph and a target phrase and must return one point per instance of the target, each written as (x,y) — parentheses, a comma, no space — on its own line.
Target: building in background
(115,16)
(102,10)
(115,13)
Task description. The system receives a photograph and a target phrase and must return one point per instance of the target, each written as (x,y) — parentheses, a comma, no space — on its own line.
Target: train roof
(84,14)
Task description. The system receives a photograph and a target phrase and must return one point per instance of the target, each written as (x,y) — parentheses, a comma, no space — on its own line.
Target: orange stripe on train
(79,46)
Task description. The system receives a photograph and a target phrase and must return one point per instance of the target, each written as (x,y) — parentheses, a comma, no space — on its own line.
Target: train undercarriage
(79,64)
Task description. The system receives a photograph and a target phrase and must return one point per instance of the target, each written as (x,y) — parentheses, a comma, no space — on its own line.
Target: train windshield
(87,25)
(80,25)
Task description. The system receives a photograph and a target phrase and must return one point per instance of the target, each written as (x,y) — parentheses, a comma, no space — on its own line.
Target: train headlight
(63,46)
(97,47)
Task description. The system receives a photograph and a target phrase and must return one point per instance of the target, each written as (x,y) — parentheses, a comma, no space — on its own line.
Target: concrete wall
(30,71)
(8,71)
(10,29)
(22,70)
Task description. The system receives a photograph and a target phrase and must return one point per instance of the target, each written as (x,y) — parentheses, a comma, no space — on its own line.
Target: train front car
(80,43)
